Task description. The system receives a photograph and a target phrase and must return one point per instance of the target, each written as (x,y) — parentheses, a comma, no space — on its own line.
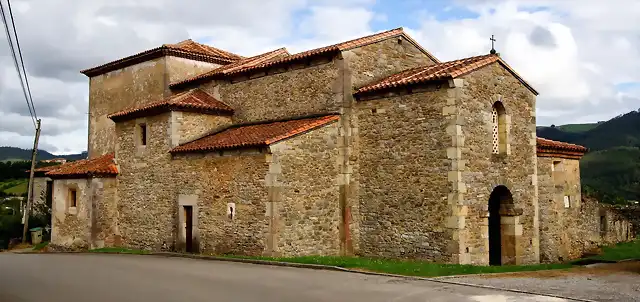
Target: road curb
(442,280)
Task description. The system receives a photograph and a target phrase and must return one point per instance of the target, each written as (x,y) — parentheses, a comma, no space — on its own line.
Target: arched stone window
(499,123)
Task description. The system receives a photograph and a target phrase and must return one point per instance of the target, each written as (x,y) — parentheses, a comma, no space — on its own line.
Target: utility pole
(30,189)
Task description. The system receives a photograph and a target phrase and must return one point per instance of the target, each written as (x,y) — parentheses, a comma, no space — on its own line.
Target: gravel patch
(615,282)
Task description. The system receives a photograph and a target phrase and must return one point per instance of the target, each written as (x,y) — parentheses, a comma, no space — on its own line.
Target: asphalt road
(109,278)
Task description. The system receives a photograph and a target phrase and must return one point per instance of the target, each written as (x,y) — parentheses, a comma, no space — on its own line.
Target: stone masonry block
(449,110)
(515,230)
(456,222)
(511,220)
(457,140)
(454,153)
(458,165)
(454,130)
(459,210)
(454,176)
(460,187)
(453,83)
(455,198)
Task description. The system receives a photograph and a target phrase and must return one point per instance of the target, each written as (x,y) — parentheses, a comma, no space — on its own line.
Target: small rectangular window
(557,166)
(143,134)
(73,198)
(567,201)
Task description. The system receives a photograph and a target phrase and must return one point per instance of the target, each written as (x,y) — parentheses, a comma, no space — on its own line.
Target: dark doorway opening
(188,219)
(500,196)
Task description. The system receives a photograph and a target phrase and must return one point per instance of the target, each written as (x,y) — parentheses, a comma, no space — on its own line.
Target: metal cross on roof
(493,50)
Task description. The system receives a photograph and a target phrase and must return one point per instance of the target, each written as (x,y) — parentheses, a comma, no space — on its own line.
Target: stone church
(369,147)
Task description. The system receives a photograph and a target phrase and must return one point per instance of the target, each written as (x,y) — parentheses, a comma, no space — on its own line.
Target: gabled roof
(550,148)
(441,71)
(335,48)
(190,45)
(103,166)
(187,49)
(237,65)
(194,100)
(256,135)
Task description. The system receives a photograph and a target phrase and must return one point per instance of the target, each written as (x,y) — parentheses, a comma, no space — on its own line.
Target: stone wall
(617,224)
(188,126)
(146,188)
(39,192)
(300,91)
(218,182)
(132,86)
(304,171)
(565,224)
(478,171)
(358,67)
(375,61)
(116,90)
(179,69)
(93,222)
(403,176)
(571,225)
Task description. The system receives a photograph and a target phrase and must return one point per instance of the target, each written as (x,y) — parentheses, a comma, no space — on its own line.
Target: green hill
(577,128)
(15,154)
(611,169)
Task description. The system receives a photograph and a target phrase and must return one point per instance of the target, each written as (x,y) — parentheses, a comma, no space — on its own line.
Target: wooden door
(188,215)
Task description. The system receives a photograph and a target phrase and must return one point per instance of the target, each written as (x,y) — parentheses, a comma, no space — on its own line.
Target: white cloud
(81,34)
(572,52)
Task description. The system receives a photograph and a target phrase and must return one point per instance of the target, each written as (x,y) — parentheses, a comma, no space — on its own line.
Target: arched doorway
(500,198)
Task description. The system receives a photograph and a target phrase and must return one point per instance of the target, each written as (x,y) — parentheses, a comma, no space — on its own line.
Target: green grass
(40,246)
(409,267)
(118,250)
(620,251)
(577,128)
(20,187)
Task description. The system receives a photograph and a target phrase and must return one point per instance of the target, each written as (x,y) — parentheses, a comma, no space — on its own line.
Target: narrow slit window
(143,134)
(73,198)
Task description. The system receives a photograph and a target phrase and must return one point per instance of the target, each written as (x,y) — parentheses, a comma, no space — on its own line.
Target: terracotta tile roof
(194,100)
(237,65)
(550,148)
(187,49)
(192,46)
(343,46)
(256,135)
(103,166)
(441,71)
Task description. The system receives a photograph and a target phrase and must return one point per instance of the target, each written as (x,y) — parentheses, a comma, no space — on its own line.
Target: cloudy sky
(583,56)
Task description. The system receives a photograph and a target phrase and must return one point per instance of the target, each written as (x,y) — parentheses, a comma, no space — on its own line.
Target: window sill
(72,211)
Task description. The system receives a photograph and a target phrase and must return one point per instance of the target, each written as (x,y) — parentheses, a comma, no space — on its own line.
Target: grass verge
(409,267)
(620,251)
(17,188)
(40,246)
(118,250)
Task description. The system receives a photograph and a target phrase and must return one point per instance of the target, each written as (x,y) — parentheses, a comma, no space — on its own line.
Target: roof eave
(150,55)
(168,108)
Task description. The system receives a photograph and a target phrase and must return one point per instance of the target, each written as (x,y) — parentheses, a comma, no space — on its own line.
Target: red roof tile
(225,69)
(102,166)
(186,49)
(256,135)
(194,100)
(343,46)
(550,148)
(441,71)
(192,46)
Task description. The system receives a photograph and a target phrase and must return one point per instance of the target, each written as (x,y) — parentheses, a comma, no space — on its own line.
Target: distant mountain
(611,169)
(14,154)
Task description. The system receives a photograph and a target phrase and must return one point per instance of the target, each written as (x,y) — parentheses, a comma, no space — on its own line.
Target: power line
(15,62)
(24,70)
